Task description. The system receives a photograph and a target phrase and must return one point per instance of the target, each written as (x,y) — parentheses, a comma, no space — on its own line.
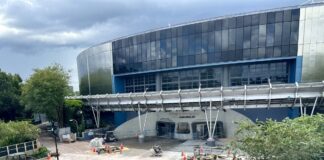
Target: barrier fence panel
(18,148)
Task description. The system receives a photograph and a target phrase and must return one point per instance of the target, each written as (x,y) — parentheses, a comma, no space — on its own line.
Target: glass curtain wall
(257,36)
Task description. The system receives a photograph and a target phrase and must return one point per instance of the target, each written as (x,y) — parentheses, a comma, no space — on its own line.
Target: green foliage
(299,138)
(17,132)
(10,91)
(41,153)
(45,90)
(73,103)
(73,110)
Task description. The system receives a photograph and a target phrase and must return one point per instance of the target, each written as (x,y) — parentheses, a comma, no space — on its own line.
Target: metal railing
(18,148)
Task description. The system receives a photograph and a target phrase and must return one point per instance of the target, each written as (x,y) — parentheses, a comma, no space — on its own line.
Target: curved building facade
(284,45)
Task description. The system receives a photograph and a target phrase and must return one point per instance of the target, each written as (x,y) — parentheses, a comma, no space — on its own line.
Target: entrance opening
(200,130)
(165,129)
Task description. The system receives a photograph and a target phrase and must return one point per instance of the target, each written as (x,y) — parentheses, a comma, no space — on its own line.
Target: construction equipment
(157,151)
(110,137)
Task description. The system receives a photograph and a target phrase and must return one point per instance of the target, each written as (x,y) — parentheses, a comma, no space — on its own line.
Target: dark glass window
(225,24)
(232,23)
(295,14)
(247,37)
(239,22)
(218,25)
(278,34)
(205,27)
(254,36)
(255,19)
(271,17)
(294,32)
(270,34)
(239,38)
(261,52)
(285,33)
(287,15)
(247,21)
(293,50)
(279,16)
(285,50)
(263,18)
(277,52)
(211,42)
(269,52)
(231,39)
(224,40)
(218,41)
(183,127)
(246,54)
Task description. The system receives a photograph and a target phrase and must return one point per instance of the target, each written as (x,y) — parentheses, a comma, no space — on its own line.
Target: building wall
(311,42)
(95,70)
(246,37)
(131,127)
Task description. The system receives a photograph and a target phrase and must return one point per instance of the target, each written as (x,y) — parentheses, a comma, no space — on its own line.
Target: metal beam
(314,105)
(256,96)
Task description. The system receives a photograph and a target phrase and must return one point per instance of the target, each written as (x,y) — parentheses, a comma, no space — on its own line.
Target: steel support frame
(141,129)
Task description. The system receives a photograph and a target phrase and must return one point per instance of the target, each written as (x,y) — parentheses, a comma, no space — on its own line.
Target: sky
(39,33)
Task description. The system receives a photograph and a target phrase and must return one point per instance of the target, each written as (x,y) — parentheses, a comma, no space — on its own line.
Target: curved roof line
(206,20)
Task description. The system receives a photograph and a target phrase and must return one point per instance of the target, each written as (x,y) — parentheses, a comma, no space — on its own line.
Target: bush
(17,132)
(41,153)
(299,138)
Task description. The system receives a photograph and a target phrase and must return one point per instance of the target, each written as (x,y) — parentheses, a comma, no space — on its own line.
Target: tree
(45,90)
(73,109)
(17,132)
(10,92)
(299,138)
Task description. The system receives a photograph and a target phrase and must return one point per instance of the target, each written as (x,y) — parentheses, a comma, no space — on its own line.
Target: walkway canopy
(254,96)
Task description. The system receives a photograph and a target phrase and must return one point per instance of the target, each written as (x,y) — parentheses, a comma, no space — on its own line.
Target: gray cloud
(36,33)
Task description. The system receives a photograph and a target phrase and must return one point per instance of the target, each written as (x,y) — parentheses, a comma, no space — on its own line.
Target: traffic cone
(121,148)
(184,157)
(228,152)
(93,150)
(49,157)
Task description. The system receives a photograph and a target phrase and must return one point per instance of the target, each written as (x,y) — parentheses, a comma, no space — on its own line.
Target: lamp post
(53,131)
(76,123)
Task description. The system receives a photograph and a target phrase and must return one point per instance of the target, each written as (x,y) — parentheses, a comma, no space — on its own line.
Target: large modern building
(284,45)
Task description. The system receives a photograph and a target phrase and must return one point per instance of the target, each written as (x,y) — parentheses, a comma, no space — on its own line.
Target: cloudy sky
(38,33)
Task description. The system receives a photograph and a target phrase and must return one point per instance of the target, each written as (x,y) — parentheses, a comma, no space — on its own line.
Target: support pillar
(141,135)
(211,129)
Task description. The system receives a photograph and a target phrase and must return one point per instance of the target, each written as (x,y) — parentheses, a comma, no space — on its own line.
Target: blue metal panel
(263,114)
(299,64)
(292,72)
(294,112)
(118,87)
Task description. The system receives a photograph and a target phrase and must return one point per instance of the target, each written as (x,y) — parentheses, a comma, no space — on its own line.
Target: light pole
(76,123)
(53,131)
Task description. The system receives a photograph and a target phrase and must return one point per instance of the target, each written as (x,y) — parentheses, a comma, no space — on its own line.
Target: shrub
(299,138)
(17,132)
(41,153)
